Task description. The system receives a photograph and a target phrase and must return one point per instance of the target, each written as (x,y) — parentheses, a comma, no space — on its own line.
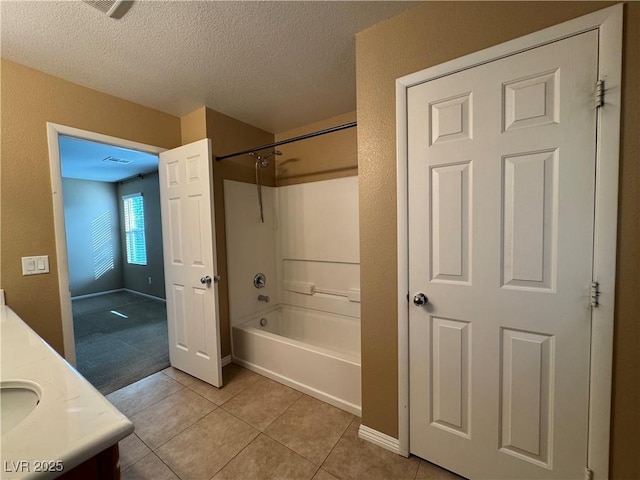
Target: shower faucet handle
(260,280)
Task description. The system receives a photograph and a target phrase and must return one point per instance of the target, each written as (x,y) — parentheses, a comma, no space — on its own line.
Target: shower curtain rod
(290,140)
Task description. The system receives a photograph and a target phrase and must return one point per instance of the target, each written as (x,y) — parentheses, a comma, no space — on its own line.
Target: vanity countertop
(72,422)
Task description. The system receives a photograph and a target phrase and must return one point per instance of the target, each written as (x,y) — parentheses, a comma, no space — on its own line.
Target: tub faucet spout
(264,298)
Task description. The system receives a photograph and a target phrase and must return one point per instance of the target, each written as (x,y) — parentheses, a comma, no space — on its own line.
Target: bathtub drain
(263,322)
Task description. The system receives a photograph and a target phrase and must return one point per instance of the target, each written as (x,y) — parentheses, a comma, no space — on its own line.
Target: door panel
(526,393)
(450,222)
(529,220)
(450,396)
(501,178)
(188,234)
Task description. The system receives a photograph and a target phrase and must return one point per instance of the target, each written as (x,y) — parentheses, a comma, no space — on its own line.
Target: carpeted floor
(113,351)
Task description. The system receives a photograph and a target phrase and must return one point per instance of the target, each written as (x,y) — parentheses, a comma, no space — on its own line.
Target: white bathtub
(315,352)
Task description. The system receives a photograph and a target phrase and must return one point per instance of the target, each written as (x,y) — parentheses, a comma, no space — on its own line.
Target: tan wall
(333,155)
(194,126)
(30,99)
(424,36)
(228,135)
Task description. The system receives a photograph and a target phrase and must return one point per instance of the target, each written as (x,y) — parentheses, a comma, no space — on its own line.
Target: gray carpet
(112,351)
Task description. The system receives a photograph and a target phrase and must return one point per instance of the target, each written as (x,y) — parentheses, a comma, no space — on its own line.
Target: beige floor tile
(265,459)
(139,395)
(429,471)
(322,475)
(235,380)
(310,427)
(165,419)
(131,450)
(204,448)
(353,458)
(179,376)
(261,403)
(149,468)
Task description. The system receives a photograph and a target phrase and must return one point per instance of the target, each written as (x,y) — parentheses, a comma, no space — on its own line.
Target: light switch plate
(35,265)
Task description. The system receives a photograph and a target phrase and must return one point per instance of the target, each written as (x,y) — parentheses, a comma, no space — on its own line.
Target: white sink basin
(18,398)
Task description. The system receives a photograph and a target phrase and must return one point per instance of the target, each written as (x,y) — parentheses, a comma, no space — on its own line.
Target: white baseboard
(144,295)
(97,294)
(380,439)
(226,360)
(107,292)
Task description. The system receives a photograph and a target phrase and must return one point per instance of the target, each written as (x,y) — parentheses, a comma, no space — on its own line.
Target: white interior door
(501,179)
(188,236)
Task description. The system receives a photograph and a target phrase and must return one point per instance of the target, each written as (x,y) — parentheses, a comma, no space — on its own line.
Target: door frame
(54,130)
(608,22)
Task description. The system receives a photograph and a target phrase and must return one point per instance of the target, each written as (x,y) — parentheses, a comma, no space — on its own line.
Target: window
(134,229)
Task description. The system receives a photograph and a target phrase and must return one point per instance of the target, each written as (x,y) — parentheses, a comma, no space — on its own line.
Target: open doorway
(110,259)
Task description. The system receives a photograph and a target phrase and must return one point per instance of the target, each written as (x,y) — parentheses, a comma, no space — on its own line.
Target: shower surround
(308,335)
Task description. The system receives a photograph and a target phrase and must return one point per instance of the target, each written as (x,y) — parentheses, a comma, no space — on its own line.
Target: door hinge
(588,474)
(595,294)
(599,93)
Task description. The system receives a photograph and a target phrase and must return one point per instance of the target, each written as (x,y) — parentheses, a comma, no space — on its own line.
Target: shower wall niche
(308,249)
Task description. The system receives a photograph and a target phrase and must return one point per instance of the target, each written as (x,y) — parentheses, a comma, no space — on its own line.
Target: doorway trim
(53,132)
(608,22)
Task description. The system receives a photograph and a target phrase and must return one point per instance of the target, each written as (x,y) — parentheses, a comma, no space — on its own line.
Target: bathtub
(315,352)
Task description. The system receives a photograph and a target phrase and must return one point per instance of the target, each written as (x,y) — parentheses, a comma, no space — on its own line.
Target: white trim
(226,360)
(53,131)
(107,292)
(609,23)
(605,242)
(403,270)
(379,438)
(146,295)
(97,294)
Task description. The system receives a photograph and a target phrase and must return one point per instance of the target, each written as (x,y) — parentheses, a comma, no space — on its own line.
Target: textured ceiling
(275,65)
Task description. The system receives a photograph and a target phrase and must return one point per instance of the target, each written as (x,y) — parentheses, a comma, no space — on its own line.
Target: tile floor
(252,428)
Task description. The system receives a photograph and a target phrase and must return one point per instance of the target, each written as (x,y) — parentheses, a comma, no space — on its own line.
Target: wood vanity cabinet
(103,466)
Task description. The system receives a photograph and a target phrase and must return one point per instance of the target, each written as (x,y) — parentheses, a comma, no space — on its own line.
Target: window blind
(134,229)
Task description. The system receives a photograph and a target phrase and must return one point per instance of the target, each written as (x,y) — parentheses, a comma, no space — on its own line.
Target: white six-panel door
(190,261)
(501,175)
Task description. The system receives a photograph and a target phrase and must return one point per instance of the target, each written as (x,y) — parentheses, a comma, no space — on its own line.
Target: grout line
(220,389)
(176,380)
(259,432)
(319,465)
(241,450)
(167,465)
(187,427)
(316,472)
(151,404)
(178,433)
(145,444)
(202,396)
(294,452)
(278,416)
(284,411)
(336,444)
